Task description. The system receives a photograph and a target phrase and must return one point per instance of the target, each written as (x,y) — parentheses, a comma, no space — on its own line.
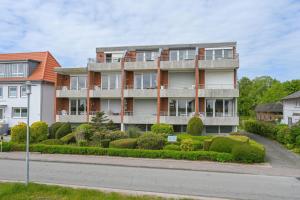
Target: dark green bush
(260,128)
(63,130)
(134,132)
(295,131)
(223,144)
(162,128)
(187,145)
(283,134)
(195,126)
(53,128)
(151,141)
(83,132)
(105,143)
(69,138)
(82,143)
(38,131)
(116,135)
(206,144)
(18,133)
(172,147)
(52,142)
(6,146)
(298,141)
(128,143)
(247,154)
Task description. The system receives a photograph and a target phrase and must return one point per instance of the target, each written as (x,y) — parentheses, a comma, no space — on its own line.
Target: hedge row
(137,153)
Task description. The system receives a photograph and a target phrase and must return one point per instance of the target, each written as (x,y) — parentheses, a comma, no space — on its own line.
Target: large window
(19,112)
(183,54)
(78,106)
(217,54)
(220,107)
(113,57)
(111,81)
(145,80)
(78,82)
(13,69)
(12,91)
(146,56)
(181,107)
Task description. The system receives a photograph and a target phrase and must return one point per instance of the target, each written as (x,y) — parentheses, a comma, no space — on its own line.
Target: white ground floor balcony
(71,118)
(115,118)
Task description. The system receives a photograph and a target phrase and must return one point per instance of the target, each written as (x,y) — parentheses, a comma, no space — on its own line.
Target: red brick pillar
(196,84)
(88,96)
(122,92)
(158,91)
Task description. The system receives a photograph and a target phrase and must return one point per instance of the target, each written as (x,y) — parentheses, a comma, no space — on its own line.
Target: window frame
(186,54)
(1,93)
(176,101)
(9,87)
(153,82)
(20,112)
(213,56)
(21,95)
(77,82)
(77,103)
(117,82)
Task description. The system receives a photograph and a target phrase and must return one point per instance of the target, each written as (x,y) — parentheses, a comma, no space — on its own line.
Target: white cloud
(267,32)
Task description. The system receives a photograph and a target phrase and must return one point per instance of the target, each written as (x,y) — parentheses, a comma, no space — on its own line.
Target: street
(212,184)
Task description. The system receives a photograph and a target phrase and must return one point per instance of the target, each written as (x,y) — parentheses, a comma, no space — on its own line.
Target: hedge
(53,128)
(195,126)
(248,154)
(63,130)
(52,142)
(136,153)
(128,143)
(18,133)
(224,144)
(162,128)
(261,128)
(38,131)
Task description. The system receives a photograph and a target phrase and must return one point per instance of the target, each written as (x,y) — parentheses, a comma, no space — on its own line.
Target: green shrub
(115,135)
(105,143)
(223,144)
(38,131)
(69,138)
(18,133)
(83,132)
(63,130)
(248,154)
(195,126)
(172,147)
(166,129)
(6,146)
(150,141)
(260,128)
(128,143)
(52,142)
(295,131)
(206,144)
(82,143)
(298,141)
(134,132)
(283,134)
(187,145)
(53,128)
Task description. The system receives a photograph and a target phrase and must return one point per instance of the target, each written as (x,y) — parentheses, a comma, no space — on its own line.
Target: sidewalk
(255,169)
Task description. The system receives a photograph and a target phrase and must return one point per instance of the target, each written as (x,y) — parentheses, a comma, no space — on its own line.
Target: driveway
(277,155)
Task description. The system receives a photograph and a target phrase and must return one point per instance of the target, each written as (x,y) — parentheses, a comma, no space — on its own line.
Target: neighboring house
(269,112)
(143,85)
(291,108)
(15,70)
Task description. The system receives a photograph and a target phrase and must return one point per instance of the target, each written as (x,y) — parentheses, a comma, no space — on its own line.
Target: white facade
(291,111)
(41,104)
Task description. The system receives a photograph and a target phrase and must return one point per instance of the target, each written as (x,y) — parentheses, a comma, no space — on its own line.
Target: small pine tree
(111,126)
(99,121)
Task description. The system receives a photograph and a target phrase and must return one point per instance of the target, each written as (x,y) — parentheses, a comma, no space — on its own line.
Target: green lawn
(18,191)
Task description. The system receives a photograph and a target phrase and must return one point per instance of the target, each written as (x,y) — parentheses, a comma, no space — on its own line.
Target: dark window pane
(225,129)
(212,129)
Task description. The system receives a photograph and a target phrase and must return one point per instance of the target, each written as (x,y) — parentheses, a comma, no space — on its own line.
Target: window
(181,107)
(1,92)
(219,107)
(19,112)
(217,54)
(211,129)
(113,57)
(182,54)
(209,108)
(143,56)
(77,106)
(297,103)
(145,80)
(12,91)
(110,81)
(23,91)
(13,69)
(78,82)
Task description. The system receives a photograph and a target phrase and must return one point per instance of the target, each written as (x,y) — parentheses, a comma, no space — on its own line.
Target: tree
(195,126)
(99,121)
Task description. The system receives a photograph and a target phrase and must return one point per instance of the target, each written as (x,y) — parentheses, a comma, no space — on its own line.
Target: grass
(19,191)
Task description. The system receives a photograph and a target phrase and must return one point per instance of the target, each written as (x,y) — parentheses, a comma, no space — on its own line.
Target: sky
(267,32)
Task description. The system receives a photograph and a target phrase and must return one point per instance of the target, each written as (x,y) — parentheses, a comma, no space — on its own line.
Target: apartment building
(143,85)
(15,70)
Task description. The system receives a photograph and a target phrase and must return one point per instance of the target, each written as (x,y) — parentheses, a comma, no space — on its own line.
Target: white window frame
(20,113)
(117,80)
(186,107)
(9,87)
(214,104)
(154,55)
(1,95)
(186,55)
(142,80)
(23,95)
(77,82)
(213,52)
(77,107)
(3,115)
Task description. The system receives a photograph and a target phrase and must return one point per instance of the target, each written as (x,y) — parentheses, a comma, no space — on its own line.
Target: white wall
(144,106)
(181,80)
(219,79)
(47,103)
(9,103)
(289,108)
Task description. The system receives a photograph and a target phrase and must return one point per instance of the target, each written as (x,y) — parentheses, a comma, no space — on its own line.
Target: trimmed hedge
(136,153)
(162,128)
(195,126)
(151,141)
(129,143)
(18,133)
(187,145)
(52,142)
(83,132)
(173,147)
(261,128)
(224,144)
(69,138)
(63,130)
(38,131)
(248,154)
(53,128)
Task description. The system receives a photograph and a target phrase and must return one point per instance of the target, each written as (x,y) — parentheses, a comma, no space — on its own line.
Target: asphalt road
(212,184)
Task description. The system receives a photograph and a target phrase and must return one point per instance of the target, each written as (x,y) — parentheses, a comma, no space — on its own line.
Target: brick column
(122,92)
(88,96)
(196,84)
(55,99)
(158,91)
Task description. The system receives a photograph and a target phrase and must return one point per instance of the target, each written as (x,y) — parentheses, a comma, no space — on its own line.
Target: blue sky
(267,31)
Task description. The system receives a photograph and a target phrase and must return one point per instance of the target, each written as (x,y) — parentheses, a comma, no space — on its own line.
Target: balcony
(131,118)
(65,92)
(99,67)
(115,117)
(177,65)
(132,64)
(64,116)
(145,93)
(112,93)
(220,63)
(177,92)
(218,90)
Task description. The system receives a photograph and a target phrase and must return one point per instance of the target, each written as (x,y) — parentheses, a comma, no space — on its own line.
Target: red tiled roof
(43,72)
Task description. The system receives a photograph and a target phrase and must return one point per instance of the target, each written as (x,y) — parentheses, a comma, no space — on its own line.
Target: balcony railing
(230,57)
(66,112)
(218,86)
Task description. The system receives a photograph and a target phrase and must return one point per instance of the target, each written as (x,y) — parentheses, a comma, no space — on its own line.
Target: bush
(38,131)
(18,133)
(63,130)
(298,141)
(206,144)
(295,131)
(82,143)
(150,141)
(134,132)
(283,134)
(83,132)
(115,135)
(128,143)
(52,142)
(195,126)
(172,147)
(53,128)
(260,128)
(187,145)
(166,129)
(223,144)
(69,138)
(248,154)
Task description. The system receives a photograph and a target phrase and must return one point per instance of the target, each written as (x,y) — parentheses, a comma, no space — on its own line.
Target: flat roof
(70,70)
(167,46)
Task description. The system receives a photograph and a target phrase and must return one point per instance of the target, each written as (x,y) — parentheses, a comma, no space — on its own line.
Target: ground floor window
(218,129)
(179,128)
(19,112)
(181,107)
(142,127)
(78,106)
